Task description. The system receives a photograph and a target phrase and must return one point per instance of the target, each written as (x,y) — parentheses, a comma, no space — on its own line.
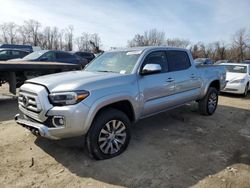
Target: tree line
(52,38)
(238,49)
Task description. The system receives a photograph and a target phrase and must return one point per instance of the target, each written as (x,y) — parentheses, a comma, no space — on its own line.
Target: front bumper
(36,128)
(75,117)
(234,88)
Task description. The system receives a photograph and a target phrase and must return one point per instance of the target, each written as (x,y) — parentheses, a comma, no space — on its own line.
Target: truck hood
(80,80)
(235,76)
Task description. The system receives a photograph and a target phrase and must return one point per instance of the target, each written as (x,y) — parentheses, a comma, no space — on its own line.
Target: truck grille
(33,101)
(29,101)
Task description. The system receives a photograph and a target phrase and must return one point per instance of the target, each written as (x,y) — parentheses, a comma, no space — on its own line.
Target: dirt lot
(179,148)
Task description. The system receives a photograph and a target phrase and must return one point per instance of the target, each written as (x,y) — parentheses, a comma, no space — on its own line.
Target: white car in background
(237,77)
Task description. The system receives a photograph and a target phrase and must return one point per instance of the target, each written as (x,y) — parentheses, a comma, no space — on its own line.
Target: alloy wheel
(112,137)
(212,102)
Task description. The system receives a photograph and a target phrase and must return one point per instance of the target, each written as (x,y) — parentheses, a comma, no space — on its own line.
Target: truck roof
(144,48)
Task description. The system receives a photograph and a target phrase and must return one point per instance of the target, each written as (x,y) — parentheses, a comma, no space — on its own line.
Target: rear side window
(178,60)
(16,53)
(50,56)
(60,55)
(157,58)
(85,55)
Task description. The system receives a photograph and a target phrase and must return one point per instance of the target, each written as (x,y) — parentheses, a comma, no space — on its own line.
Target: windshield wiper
(106,71)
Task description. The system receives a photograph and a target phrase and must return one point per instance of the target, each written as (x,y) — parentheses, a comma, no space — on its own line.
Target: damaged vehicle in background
(114,91)
(238,78)
(53,56)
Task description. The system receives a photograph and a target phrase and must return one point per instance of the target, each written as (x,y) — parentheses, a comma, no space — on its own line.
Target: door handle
(192,76)
(170,80)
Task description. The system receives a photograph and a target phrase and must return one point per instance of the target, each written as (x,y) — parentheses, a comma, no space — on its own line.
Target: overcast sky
(118,21)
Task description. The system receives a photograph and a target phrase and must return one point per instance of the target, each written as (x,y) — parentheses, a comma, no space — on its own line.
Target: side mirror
(43,59)
(151,69)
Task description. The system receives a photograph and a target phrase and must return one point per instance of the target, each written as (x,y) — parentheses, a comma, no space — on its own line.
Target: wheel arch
(213,83)
(126,105)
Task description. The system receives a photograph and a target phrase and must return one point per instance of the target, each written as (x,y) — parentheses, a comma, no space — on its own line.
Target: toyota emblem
(25,101)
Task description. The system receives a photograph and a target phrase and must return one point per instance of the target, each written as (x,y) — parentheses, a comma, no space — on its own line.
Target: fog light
(58,121)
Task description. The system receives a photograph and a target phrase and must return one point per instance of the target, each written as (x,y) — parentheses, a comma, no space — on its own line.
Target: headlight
(67,98)
(238,81)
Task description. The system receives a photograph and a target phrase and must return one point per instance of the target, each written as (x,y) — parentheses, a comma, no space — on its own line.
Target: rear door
(156,88)
(187,82)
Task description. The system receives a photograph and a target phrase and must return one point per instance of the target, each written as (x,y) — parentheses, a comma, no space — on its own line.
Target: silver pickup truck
(115,90)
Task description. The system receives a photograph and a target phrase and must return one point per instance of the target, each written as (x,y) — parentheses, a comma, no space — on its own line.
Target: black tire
(94,145)
(209,101)
(246,90)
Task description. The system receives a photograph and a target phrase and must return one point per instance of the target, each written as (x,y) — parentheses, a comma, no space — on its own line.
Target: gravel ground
(179,148)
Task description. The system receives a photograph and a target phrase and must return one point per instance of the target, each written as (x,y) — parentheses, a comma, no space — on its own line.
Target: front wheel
(208,104)
(109,134)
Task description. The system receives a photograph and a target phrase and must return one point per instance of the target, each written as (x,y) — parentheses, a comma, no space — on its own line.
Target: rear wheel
(208,104)
(109,134)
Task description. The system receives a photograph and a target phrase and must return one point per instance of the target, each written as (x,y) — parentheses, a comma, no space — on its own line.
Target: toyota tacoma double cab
(115,90)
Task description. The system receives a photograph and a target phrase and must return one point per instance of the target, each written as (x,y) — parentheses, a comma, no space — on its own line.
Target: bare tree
(23,37)
(138,40)
(89,42)
(241,41)
(82,42)
(31,27)
(220,50)
(4,33)
(9,32)
(149,38)
(32,32)
(68,37)
(176,42)
(195,51)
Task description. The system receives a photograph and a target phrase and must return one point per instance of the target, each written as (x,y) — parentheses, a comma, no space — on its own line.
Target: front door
(155,89)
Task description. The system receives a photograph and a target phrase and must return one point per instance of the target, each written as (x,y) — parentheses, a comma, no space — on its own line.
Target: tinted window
(60,55)
(4,52)
(178,60)
(83,54)
(25,53)
(157,58)
(49,55)
(16,53)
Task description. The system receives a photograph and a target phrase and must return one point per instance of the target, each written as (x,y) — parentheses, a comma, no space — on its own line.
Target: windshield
(34,55)
(236,68)
(121,62)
